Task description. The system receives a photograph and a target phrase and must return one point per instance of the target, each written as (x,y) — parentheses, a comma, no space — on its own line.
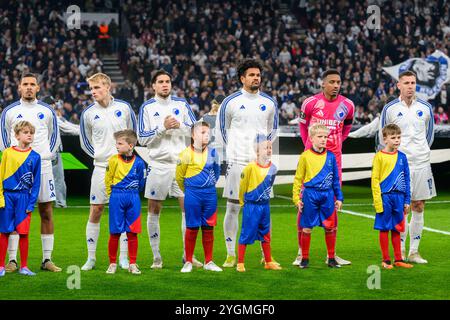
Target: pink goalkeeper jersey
(337,115)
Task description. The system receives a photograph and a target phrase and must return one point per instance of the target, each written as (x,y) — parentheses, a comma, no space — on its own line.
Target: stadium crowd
(200,41)
(35,39)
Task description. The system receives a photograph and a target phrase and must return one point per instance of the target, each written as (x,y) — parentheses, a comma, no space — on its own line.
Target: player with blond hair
(98,123)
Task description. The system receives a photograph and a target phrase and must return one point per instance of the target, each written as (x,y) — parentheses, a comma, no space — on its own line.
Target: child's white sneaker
(211,266)
(187,267)
(134,269)
(112,268)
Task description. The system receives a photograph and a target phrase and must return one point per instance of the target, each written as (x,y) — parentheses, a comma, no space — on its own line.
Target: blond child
(317,192)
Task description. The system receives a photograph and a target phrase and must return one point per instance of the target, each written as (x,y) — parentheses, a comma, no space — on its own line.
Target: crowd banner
(432,72)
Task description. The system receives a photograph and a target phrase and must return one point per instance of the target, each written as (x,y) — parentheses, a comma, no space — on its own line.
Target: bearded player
(242,116)
(46,142)
(164,123)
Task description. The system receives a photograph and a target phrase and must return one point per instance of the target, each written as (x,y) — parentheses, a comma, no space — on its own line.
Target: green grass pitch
(357,241)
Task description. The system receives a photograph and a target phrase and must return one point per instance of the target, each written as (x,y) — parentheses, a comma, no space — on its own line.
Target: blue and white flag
(432,72)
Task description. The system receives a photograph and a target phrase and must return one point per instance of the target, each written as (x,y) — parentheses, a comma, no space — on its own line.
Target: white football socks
(92,233)
(404,235)
(415,231)
(47,246)
(154,234)
(231,226)
(13,244)
(123,246)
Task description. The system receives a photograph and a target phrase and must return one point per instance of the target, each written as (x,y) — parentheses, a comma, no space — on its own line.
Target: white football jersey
(243,115)
(164,145)
(98,125)
(43,118)
(417,125)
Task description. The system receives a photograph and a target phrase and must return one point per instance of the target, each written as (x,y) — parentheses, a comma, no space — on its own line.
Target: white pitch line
(437,231)
(175,207)
(371,204)
(277,205)
(358,214)
(283,197)
(373,218)
(292,206)
(367,204)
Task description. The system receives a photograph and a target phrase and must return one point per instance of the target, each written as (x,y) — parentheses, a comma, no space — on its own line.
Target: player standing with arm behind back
(336,112)
(415,119)
(46,142)
(98,123)
(242,116)
(164,123)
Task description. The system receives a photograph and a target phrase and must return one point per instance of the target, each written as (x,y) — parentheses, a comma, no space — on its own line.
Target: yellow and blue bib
(197,169)
(256,183)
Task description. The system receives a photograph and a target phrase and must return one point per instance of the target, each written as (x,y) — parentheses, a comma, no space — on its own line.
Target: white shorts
(232,181)
(47,188)
(160,183)
(98,190)
(422,184)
